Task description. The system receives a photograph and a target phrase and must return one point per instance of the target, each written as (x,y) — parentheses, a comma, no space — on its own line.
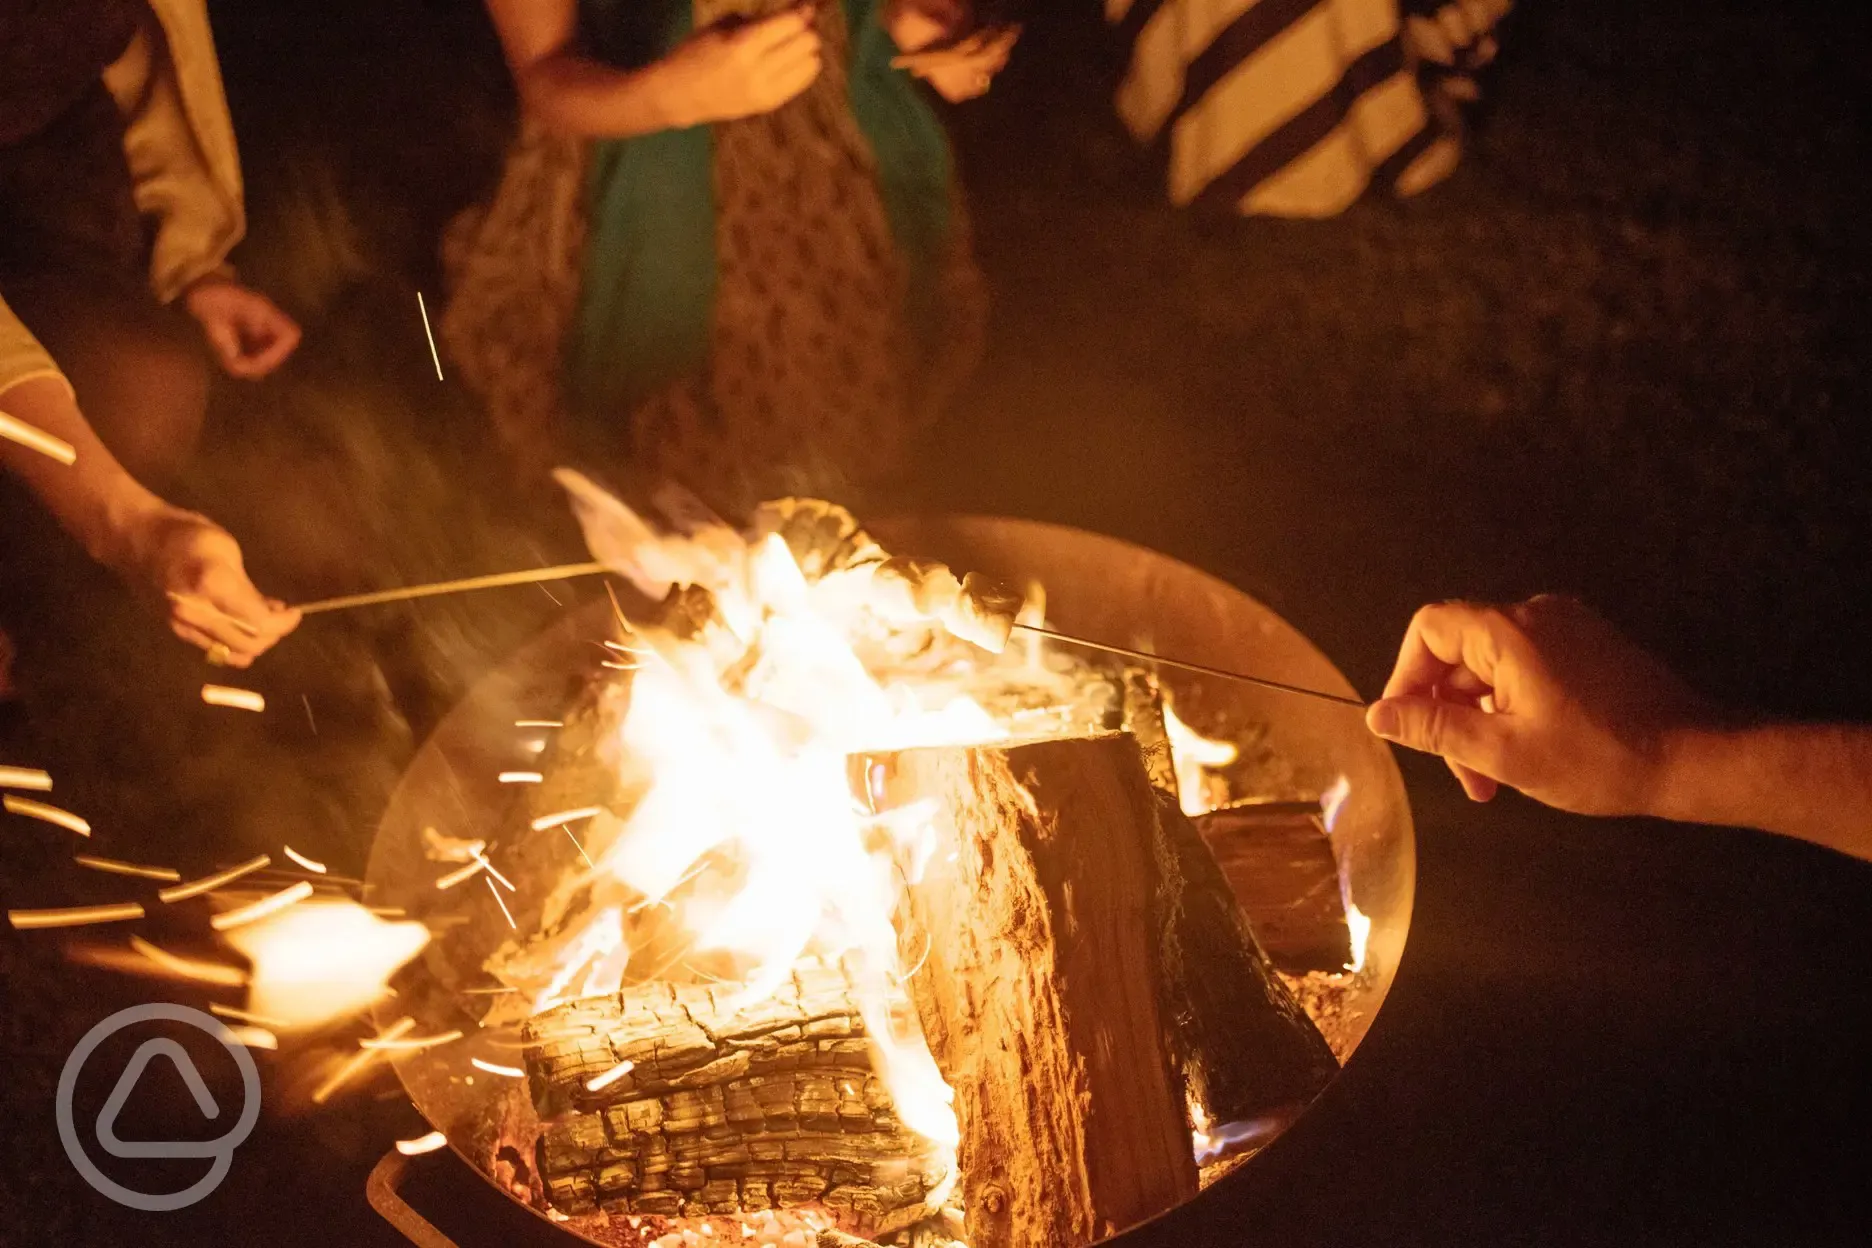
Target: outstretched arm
(1549,698)
(186,557)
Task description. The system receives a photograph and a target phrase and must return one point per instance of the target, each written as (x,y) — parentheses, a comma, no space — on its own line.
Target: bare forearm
(1811,781)
(92,498)
(575,95)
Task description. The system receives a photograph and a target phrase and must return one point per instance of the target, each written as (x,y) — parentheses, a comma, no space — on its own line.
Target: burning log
(1247,1048)
(664,1100)
(1279,860)
(1041,995)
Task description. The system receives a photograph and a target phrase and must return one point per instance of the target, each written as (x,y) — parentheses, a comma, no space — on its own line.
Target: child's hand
(248,333)
(928,32)
(722,74)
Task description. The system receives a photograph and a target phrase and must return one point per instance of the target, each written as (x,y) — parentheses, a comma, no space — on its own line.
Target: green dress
(828,349)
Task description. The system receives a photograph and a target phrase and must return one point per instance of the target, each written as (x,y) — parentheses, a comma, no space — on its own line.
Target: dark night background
(1623,351)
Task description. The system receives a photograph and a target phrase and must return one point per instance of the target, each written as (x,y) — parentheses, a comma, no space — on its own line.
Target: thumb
(1462,734)
(224,337)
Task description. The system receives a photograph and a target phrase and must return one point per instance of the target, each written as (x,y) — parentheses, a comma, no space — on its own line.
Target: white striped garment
(1294,107)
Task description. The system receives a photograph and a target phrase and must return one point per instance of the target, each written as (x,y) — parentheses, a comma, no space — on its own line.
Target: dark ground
(1622,352)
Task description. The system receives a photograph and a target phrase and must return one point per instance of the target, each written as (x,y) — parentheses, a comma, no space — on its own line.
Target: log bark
(1040,993)
(1247,1048)
(773,1105)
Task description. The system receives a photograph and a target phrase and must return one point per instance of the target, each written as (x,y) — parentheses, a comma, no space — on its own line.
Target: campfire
(820,910)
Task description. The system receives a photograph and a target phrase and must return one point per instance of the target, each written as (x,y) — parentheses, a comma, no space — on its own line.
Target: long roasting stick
(1201,668)
(527,577)
(567,570)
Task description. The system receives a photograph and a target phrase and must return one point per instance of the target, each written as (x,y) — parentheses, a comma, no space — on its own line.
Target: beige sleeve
(21,356)
(179,144)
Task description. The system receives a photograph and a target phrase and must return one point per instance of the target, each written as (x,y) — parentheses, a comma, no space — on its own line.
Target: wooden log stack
(723,1111)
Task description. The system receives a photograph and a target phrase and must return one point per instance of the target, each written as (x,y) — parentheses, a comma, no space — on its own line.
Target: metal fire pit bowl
(1096,586)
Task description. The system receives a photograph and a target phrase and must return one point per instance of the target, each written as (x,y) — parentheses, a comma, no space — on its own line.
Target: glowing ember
(322,960)
(598,1083)
(25,778)
(468,872)
(260,909)
(1194,756)
(520,777)
(189,968)
(350,1068)
(493,874)
(410,1044)
(422,1144)
(48,814)
(315,867)
(505,912)
(245,1016)
(505,1072)
(208,883)
(228,696)
(114,867)
(253,1037)
(74,916)
(13,429)
(564,817)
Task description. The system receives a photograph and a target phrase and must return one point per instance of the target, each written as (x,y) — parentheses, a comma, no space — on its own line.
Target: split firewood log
(1041,992)
(1247,1048)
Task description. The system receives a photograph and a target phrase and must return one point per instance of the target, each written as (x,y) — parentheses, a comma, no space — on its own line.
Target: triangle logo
(126,1083)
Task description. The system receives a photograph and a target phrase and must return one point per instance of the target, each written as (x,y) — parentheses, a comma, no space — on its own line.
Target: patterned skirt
(814,382)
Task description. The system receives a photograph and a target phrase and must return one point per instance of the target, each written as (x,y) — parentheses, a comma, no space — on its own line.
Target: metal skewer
(568,570)
(1200,668)
(564,571)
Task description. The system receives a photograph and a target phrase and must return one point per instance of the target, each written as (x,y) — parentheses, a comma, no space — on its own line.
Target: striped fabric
(1293,107)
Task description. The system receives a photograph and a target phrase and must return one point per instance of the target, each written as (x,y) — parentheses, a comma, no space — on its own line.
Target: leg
(140,370)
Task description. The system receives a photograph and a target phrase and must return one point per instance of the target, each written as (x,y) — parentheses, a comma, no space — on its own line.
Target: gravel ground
(1621,352)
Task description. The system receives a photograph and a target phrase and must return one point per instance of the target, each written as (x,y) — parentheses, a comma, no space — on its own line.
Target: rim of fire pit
(1097,586)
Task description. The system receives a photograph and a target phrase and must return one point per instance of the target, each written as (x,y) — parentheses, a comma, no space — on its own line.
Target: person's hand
(959,70)
(247,331)
(196,565)
(726,73)
(1545,697)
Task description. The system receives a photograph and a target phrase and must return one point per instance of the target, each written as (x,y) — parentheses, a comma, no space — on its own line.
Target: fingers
(784,56)
(280,338)
(787,60)
(790,80)
(203,623)
(225,340)
(1449,636)
(221,605)
(1466,736)
(1479,787)
(772,32)
(207,643)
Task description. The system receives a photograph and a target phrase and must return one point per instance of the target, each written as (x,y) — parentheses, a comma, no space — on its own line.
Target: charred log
(1247,1048)
(720,1112)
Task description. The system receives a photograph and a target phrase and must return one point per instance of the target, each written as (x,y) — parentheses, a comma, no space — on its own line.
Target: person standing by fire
(727,247)
(1548,698)
(120,198)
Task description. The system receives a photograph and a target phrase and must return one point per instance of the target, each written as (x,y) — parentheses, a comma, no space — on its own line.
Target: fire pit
(687,1112)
